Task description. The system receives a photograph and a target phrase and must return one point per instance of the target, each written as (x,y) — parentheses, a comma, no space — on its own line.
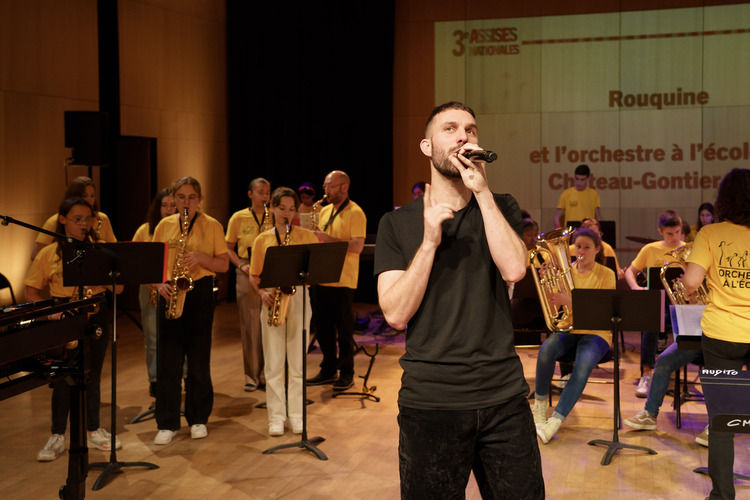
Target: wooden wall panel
(173,87)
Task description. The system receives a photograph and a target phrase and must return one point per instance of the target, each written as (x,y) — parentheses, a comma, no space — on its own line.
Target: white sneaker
(540,412)
(198,431)
(296,424)
(643,386)
(164,436)
(100,439)
(53,449)
(563,381)
(276,428)
(549,429)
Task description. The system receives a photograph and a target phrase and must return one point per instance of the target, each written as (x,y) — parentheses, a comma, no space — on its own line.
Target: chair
(4,283)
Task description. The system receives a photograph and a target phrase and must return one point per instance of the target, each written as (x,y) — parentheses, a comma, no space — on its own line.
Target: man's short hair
(669,218)
(445,106)
(583,170)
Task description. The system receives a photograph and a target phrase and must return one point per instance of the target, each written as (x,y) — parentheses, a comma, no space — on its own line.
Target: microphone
(486,156)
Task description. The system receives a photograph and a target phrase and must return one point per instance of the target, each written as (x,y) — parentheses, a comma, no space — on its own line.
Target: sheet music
(686,319)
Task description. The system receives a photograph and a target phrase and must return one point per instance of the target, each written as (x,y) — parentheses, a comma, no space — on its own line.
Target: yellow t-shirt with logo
(47,269)
(242,229)
(723,250)
(600,278)
(577,205)
(349,223)
(206,236)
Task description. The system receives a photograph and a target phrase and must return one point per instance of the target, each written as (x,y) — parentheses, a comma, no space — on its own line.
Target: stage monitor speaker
(87,133)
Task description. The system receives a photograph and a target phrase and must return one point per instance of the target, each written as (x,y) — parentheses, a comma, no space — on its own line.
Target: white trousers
(283,344)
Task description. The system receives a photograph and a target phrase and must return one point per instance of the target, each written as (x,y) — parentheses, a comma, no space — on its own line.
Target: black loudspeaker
(86,132)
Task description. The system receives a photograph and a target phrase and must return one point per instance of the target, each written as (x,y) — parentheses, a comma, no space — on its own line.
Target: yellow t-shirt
(103,229)
(654,254)
(298,236)
(47,269)
(600,278)
(349,223)
(577,205)
(242,229)
(723,250)
(141,234)
(206,236)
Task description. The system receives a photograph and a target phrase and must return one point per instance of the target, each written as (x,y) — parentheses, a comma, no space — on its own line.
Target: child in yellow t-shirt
(654,254)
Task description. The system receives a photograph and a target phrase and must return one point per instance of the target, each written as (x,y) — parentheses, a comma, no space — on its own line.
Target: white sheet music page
(686,319)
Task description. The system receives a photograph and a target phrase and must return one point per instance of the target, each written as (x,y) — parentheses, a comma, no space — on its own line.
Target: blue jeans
(438,449)
(670,360)
(589,350)
(733,356)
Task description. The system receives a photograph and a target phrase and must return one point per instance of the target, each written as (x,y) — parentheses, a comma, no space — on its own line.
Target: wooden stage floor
(361,436)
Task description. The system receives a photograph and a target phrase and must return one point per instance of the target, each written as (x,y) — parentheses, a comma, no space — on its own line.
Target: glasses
(326,186)
(190,199)
(81,220)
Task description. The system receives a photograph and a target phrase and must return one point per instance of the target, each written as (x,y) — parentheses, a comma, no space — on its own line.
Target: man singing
(442,263)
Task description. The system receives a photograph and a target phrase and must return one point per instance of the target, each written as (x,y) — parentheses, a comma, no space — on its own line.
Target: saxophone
(181,282)
(266,223)
(316,213)
(277,310)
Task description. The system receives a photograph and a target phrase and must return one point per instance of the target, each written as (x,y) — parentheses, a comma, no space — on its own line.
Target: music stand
(728,409)
(618,310)
(113,264)
(302,265)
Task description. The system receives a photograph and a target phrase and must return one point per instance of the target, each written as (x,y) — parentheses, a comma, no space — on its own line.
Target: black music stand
(302,265)
(727,394)
(113,264)
(618,310)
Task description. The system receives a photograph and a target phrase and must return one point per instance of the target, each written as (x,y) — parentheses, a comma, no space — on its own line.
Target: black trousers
(335,322)
(718,354)
(96,354)
(188,336)
(438,449)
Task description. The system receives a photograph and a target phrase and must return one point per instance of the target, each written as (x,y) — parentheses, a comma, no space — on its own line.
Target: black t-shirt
(459,343)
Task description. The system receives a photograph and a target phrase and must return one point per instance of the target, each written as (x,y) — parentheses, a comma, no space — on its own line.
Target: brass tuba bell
(552,257)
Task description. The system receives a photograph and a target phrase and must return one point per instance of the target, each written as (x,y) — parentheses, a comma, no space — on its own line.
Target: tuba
(277,310)
(676,289)
(316,213)
(181,282)
(266,224)
(552,256)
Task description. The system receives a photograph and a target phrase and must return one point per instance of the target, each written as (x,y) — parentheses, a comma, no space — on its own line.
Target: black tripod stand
(302,265)
(125,262)
(618,310)
(367,392)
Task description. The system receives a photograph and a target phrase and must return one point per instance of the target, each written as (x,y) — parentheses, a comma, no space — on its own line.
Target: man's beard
(442,163)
